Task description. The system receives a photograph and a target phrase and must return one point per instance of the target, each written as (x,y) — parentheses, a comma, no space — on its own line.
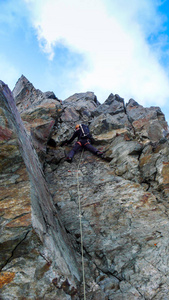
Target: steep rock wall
(124,197)
(124,202)
(17,222)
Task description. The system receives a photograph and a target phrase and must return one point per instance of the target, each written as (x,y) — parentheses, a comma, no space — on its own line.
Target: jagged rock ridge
(124,199)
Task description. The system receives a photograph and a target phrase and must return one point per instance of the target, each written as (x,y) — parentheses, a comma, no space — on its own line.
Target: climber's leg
(92,149)
(89,147)
(74,150)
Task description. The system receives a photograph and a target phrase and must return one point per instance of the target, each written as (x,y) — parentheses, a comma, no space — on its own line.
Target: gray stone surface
(123,199)
(17,223)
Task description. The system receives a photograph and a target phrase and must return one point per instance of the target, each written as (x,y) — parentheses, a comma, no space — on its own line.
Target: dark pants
(82,144)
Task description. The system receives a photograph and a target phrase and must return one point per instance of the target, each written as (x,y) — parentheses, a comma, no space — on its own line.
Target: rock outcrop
(123,198)
(56,253)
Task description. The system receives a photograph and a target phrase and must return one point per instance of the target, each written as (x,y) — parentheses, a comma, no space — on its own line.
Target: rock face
(121,200)
(38,111)
(16,223)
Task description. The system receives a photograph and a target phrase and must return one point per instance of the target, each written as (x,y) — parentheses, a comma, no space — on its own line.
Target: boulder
(50,95)
(113,105)
(148,123)
(105,123)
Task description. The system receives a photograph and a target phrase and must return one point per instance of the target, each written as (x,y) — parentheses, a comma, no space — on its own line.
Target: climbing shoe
(68,159)
(99,153)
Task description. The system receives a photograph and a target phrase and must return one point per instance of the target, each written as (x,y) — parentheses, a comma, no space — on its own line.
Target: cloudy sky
(104,46)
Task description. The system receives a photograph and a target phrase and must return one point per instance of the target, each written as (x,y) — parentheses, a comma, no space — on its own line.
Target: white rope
(81,232)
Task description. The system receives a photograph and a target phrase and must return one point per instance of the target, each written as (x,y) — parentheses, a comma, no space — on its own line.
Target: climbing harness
(81,232)
(87,143)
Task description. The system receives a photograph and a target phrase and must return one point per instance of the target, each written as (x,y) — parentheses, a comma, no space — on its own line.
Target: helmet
(77,126)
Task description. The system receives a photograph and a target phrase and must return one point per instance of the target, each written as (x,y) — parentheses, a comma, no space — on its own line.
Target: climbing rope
(81,232)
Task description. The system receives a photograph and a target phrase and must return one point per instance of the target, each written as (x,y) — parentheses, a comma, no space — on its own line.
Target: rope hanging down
(81,232)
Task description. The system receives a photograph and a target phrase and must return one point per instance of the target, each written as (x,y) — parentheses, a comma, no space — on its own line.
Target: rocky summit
(97,228)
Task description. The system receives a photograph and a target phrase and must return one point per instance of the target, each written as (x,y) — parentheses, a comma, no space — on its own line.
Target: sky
(103,46)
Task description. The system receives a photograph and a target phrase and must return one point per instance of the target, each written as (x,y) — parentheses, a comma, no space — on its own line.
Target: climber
(84,141)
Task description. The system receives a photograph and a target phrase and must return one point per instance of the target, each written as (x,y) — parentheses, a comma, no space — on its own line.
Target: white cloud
(112,35)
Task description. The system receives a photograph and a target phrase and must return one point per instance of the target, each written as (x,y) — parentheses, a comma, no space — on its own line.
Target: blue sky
(104,46)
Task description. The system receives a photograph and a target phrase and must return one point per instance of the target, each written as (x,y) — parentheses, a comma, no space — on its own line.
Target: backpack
(85,133)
